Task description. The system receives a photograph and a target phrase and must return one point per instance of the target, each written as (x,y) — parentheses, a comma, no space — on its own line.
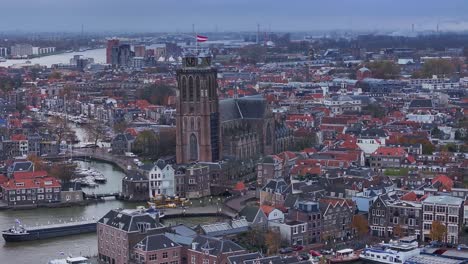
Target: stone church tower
(197,118)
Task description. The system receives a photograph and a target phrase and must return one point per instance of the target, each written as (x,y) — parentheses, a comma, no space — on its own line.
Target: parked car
(286,250)
(314,253)
(298,247)
(304,256)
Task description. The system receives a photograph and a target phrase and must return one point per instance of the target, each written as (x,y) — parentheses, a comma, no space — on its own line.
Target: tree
(375,110)
(361,225)
(59,126)
(55,75)
(8,83)
(146,143)
(439,67)
(252,54)
(384,69)
(158,94)
(120,127)
(438,231)
(272,241)
(436,132)
(62,171)
(398,231)
(95,131)
(39,164)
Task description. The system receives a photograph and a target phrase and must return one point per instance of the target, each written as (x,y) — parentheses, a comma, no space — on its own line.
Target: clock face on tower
(191,62)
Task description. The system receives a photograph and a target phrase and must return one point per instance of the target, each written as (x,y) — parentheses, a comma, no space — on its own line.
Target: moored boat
(392,252)
(344,256)
(20,233)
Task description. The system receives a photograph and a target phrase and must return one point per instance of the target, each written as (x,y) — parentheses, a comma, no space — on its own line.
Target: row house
(192,181)
(161,179)
(448,211)
(337,214)
(387,157)
(210,250)
(31,191)
(390,216)
(157,249)
(274,193)
(119,231)
(308,211)
(292,231)
(270,167)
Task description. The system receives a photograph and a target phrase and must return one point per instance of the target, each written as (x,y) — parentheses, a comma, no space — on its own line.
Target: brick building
(120,230)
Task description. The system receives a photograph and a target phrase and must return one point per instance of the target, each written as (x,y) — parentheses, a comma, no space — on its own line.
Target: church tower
(197,117)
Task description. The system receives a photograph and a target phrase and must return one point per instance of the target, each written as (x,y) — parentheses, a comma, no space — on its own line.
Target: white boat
(344,256)
(2,59)
(100,178)
(70,260)
(392,252)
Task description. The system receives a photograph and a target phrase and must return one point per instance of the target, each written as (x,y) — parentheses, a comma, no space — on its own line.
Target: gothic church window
(193,147)
(197,88)
(190,88)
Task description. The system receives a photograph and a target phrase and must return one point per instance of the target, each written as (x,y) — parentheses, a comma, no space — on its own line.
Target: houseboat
(392,252)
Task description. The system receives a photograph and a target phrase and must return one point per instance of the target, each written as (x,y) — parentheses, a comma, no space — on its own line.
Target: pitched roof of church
(249,107)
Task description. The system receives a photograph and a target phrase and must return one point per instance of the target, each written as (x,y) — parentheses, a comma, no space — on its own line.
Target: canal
(44,250)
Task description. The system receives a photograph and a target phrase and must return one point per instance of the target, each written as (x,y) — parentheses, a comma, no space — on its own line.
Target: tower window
(193,147)
(184,89)
(209,87)
(190,88)
(197,88)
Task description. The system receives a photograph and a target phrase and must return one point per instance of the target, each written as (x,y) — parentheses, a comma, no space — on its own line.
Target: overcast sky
(230,15)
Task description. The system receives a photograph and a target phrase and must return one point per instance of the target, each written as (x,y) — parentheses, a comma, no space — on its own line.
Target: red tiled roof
(410,197)
(131,131)
(446,182)
(32,183)
(19,175)
(18,137)
(390,151)
(3,178)
(240,186)
(267,209)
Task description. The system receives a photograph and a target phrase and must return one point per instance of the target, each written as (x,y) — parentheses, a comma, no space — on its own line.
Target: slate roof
(278,186)
(277,260)
(215,246)
(225,228)
(22,166)
(156,242)
(124,137)
(421,103)
(249,212)
(128,220)
(182,240)
(249,107)
(374,132)
(239,259)
(161,164)
(135,176)
(183,230)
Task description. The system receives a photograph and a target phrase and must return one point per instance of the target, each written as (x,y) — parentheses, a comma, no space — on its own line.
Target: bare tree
(95,131)
(59,126)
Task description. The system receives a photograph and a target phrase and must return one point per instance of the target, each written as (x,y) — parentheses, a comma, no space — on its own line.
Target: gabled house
(205,249)
(337,215)
(122,143)
(274,193)
(161,179)
(272,213)
(256,218)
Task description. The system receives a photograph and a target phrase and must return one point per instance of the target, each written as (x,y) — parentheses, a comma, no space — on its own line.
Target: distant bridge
(100,196)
